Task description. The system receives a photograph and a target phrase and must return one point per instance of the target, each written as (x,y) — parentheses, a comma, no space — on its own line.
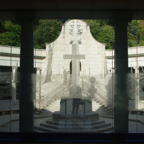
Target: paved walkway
(136,122)
(6,119)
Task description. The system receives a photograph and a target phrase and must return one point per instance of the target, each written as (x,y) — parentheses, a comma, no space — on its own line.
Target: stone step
(38,131)
(60,116)
(139,112)
(99,130)
(105,107)
(7,111)
(70,123)
(110,131)
(74,127)
(110,110)
(99,102)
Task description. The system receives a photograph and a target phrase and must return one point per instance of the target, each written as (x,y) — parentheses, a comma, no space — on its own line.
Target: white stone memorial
(75,102)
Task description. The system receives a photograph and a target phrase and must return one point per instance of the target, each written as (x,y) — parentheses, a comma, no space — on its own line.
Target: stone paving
(10,123)
(136,122)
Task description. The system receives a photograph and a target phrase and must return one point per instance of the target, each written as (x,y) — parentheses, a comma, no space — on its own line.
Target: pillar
(121,73)
(136,87)
(14,81)
(38,87)
(26,72)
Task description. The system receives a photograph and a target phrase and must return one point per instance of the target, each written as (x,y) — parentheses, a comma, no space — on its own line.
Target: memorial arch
(71,66)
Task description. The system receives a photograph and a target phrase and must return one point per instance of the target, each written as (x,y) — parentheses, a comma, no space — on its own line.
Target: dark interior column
(26,73)
(121,73)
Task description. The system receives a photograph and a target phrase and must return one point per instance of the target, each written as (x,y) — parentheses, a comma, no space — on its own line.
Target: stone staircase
(53,96)
(105,108)
(75,124)
(100,94)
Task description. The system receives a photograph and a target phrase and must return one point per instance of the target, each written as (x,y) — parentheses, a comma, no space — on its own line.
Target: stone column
(26,72)
(121,72)
(38,87)
(136,87)
(14,81)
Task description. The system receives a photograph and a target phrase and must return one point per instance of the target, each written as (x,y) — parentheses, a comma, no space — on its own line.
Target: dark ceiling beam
(72,4)
(74,15)
(70,14)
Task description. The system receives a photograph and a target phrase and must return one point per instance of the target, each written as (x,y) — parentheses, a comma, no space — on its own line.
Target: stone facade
(92,49)
(52,70)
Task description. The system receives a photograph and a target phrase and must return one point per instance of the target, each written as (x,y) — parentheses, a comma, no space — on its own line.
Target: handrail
(53,95)
(101,95)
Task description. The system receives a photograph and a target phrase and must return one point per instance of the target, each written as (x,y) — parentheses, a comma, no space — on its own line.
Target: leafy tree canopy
(10,33)
(136,33)
(102,31)
(48,30)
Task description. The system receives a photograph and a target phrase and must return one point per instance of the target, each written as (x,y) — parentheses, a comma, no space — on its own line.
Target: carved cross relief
(75,32)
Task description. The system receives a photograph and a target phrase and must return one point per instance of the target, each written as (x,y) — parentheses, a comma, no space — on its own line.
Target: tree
(49,30)
(10,33)
(102,31)
(46,31)
(136,33)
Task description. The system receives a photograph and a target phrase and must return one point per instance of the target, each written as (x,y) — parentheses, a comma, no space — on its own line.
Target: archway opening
(71,67)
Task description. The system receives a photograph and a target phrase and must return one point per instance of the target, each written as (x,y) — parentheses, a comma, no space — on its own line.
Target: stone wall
(93,50)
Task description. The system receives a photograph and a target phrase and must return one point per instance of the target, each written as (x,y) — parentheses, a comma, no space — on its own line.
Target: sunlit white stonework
(74,61)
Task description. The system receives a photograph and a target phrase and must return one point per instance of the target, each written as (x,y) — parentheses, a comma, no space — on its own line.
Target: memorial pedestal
(70,117)
(70,106)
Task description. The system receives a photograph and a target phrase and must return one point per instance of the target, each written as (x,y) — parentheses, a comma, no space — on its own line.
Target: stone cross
(75,54)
